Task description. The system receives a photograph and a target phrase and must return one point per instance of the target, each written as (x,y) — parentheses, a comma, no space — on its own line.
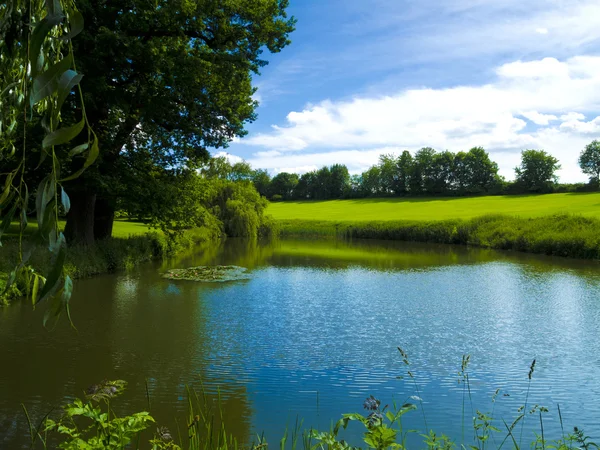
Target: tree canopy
(169,80)
(589,160)
(537,171)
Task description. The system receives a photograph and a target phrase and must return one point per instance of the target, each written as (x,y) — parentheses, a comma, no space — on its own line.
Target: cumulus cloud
(554,97)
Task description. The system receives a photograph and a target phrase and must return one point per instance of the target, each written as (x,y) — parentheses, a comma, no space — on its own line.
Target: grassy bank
(558,235)
(436,209)
(131,245)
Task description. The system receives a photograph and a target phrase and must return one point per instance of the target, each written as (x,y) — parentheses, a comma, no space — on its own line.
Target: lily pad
(213,274)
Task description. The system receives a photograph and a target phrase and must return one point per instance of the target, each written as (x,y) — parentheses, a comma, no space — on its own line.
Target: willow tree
(175,75)
(38,76)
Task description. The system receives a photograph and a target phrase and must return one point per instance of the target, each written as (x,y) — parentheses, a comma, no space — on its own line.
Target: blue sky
(366,77)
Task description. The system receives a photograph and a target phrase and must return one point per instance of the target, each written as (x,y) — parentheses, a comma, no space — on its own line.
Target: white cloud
(541,30)
(579,126)
(554,95)
(538,118)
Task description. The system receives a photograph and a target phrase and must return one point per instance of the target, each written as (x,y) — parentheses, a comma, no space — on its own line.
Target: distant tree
(481,171)
(461,179)
(262,181)
(221,168)
(405,166)
(388,167)
(306,186)
(423,176)
(442,172)
(356,186)
(371,182)
(284,184)
(589,160)
(339,181)
(537,170)
(322,188)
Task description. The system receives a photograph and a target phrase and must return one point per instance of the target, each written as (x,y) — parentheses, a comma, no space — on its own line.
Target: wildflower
(375,418)
(164,434)
(371,404)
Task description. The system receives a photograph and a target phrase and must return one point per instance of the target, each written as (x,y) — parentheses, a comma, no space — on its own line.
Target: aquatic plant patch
(216,274)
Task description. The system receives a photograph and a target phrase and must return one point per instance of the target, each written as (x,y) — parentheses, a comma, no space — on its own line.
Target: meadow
(443,208)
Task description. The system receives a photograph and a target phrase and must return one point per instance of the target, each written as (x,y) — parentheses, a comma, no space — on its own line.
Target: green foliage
(284,184)
(101,428)
(167,84)
(559,235)
(537,171)
(589,160)
(37,76)
(106,256)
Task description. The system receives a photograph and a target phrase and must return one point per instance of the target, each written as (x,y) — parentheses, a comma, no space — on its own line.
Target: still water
(315,331)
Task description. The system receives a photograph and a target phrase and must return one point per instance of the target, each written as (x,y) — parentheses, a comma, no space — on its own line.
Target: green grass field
(408,209)
(121,228)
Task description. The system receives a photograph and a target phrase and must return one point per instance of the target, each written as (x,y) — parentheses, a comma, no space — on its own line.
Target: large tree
(170,78)
(589,160)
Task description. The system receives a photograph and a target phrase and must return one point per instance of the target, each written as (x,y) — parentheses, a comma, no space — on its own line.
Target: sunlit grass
(121,228)
(384,209)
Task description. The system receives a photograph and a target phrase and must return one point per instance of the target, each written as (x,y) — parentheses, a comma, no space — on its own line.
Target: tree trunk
(80,220)
(104,218)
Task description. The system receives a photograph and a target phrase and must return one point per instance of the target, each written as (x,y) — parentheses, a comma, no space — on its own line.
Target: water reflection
(314,332)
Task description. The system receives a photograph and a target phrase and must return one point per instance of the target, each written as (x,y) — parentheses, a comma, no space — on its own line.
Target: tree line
(427,172)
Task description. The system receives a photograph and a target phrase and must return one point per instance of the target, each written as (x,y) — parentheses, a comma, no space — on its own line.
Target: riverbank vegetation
(92,422)
(559,235)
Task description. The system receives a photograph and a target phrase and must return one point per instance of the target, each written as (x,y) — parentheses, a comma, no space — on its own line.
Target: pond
(315,331)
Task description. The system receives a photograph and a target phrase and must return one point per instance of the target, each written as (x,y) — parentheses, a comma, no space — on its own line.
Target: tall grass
(558,235)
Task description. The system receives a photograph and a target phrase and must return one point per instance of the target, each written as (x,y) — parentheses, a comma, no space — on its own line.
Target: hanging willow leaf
(53,281)
(64,198)
(36,287)
(7,219)
(63,135)
(79,149)
(76,21)
(7,187)
(45,193)
(45,84)
(67,81)
(38,36)
(92,155)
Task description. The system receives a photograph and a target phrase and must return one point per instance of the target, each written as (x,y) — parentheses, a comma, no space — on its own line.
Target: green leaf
(45,194)
(91,157)
(76,22)
(46,83)
(36,287)
(63,135)
(7,219)
(65,200)
(53,280)
(9,87)
(79,149)
(67,81)
(7,186)
(38,36)
(54,8)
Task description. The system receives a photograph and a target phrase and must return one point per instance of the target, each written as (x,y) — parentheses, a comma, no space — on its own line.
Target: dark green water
(315,331)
